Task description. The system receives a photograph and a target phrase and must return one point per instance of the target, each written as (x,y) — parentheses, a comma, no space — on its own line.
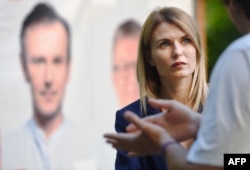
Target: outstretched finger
(133,118)
(160,104)
(121,141)
(116,136)
(111,140)
(109,135)
(132,128)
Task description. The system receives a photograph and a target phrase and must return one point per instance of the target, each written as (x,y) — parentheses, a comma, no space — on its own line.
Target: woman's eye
(186,40)
(164,44)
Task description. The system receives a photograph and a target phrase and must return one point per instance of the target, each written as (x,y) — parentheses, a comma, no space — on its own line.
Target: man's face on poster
(124,70)
(46,65)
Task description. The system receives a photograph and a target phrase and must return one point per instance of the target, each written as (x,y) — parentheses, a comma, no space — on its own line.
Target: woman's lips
(176,64)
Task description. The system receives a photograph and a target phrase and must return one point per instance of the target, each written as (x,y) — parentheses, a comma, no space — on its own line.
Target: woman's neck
(176,89)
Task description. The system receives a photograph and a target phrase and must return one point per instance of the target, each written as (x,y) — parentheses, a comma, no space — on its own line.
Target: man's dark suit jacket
(123,161)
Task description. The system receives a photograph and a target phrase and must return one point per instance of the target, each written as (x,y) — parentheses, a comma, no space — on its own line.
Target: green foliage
(220,31)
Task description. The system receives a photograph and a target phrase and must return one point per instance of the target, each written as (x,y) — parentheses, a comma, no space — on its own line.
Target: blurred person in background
(125,47)
(125,50)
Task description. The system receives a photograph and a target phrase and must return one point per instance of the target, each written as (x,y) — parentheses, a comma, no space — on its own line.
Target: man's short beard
(44,117)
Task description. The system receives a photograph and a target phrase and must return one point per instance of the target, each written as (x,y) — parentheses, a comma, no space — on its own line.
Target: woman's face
(172,52)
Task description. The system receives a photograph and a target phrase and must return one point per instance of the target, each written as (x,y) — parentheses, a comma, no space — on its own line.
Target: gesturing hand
(146,140)
(177,119)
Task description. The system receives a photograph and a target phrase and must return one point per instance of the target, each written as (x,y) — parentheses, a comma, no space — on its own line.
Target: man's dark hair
(42,13)
(244,4)
(129,28)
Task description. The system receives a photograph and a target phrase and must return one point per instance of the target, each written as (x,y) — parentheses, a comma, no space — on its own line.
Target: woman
(171,64)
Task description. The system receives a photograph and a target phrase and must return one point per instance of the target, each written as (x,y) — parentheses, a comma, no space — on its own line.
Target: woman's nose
(177,50)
